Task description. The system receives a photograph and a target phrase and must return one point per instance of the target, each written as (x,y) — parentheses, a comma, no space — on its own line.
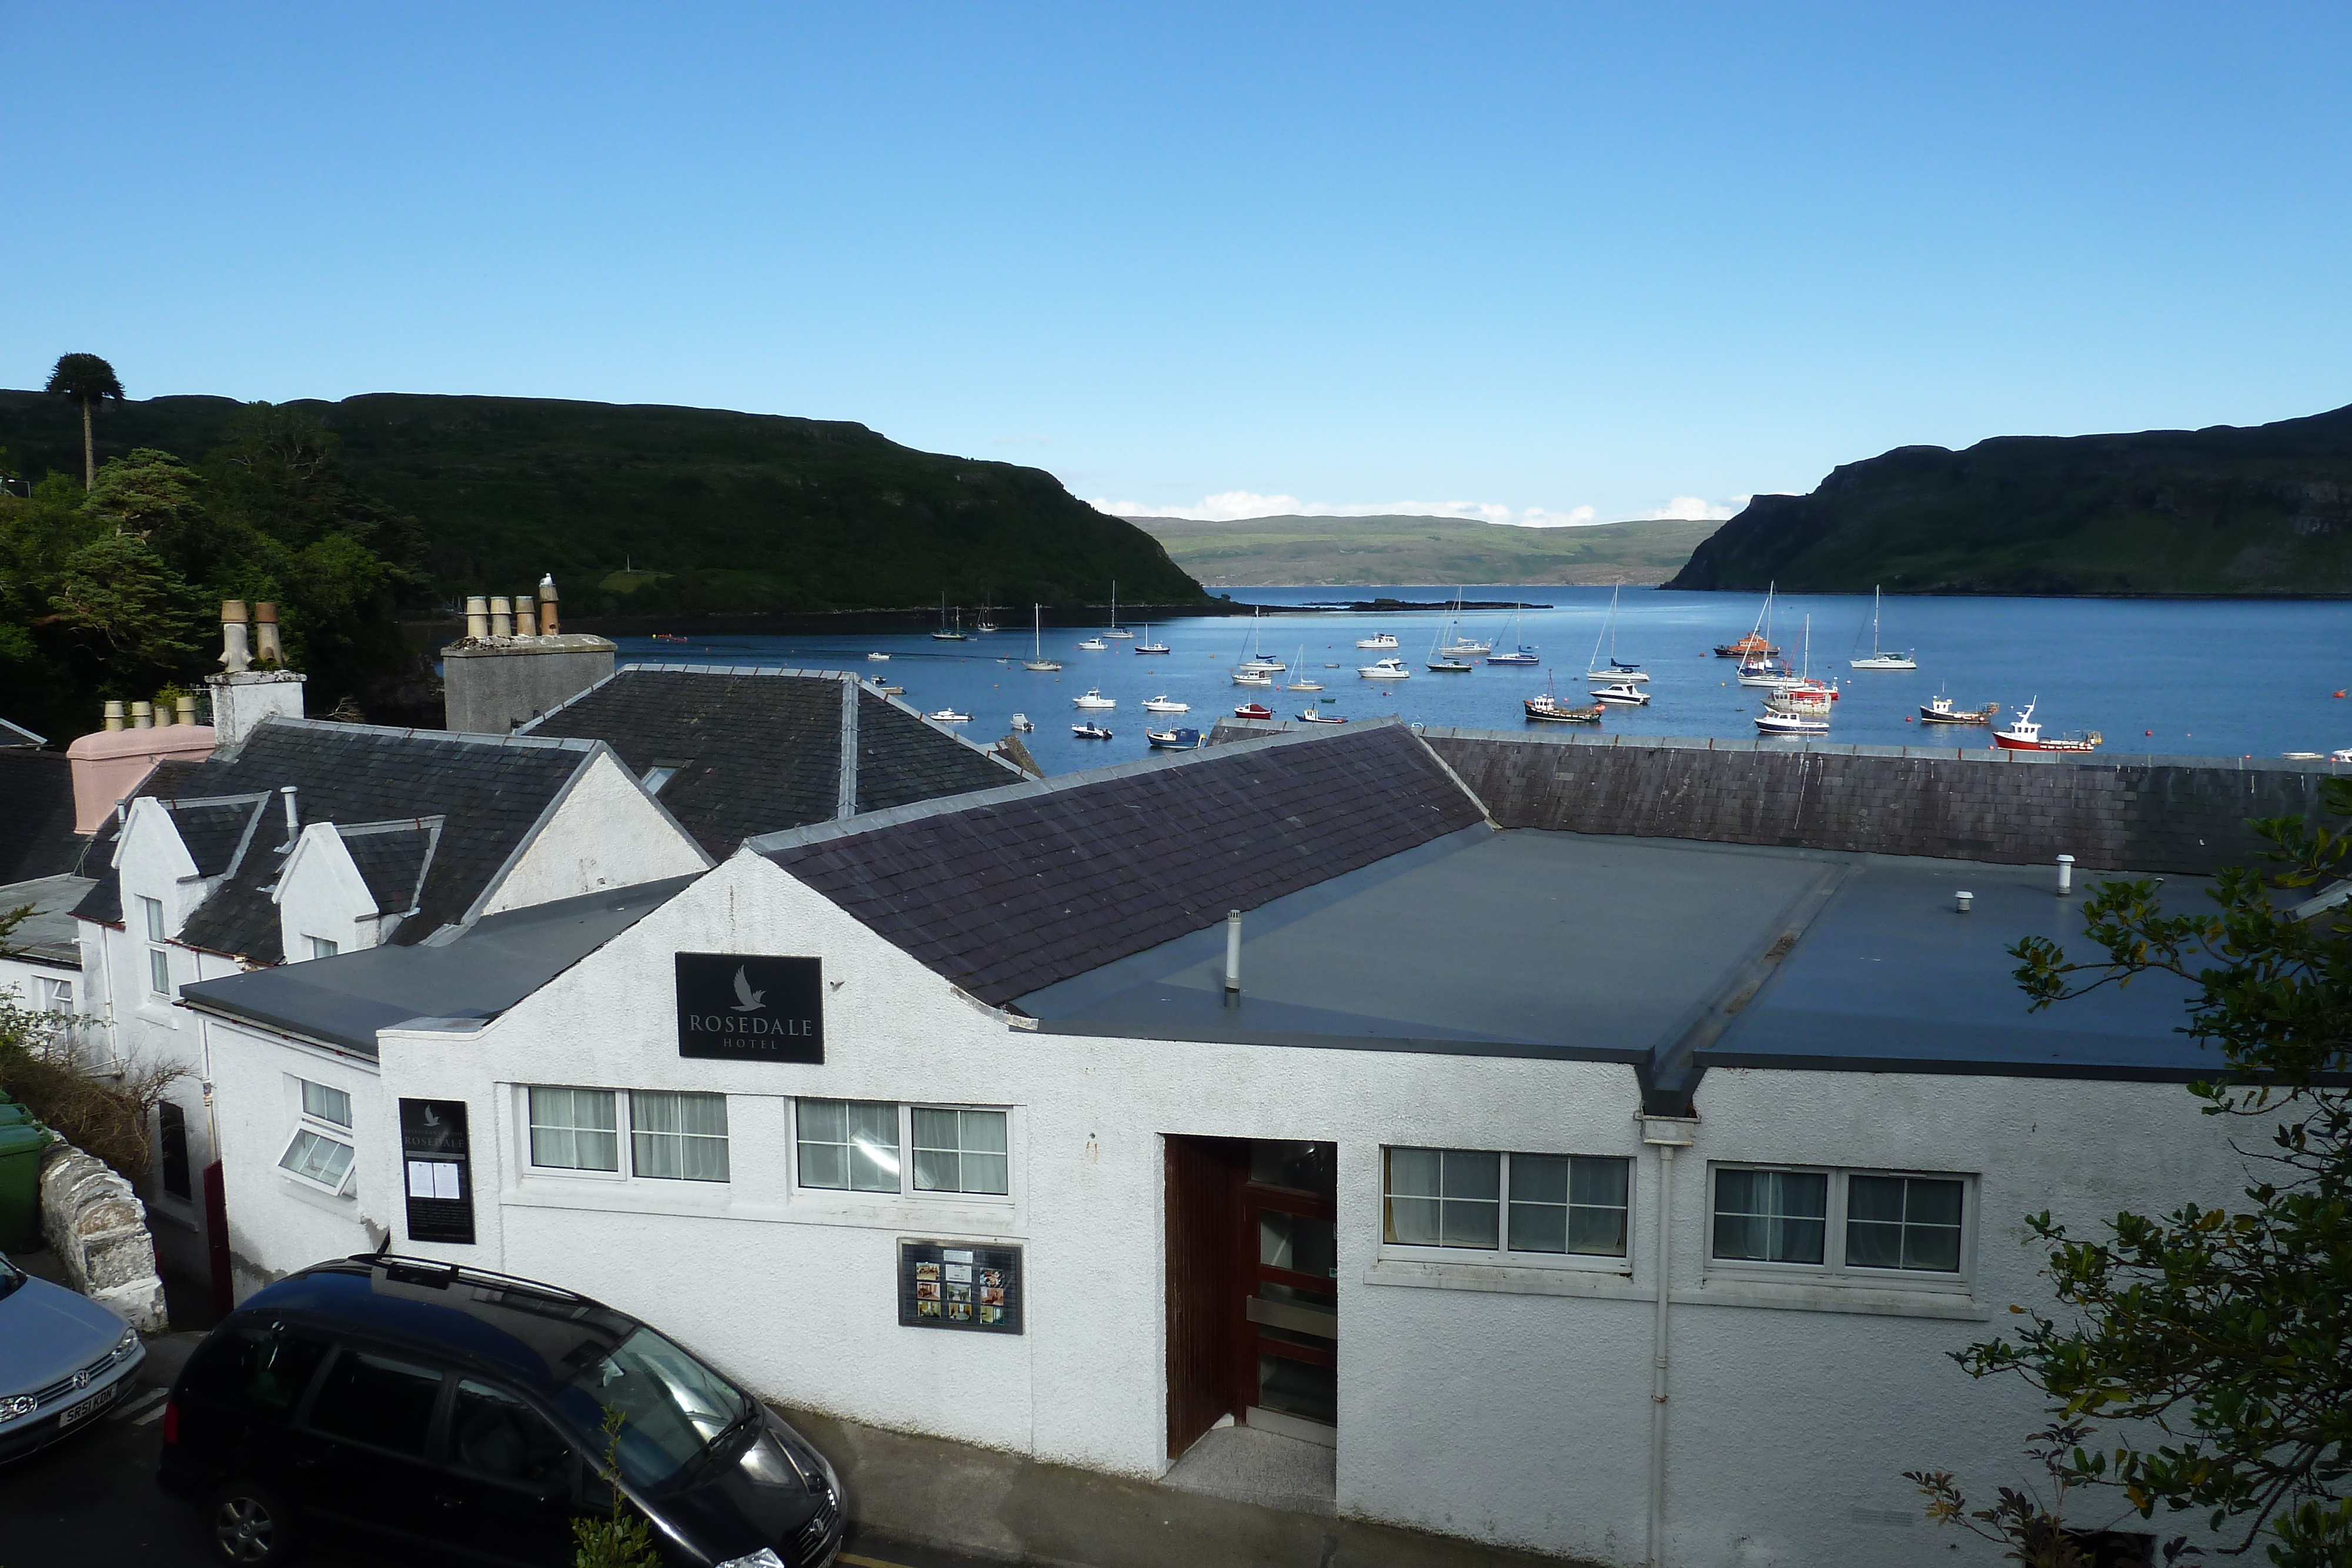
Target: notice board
(959,1285)
(436,1171)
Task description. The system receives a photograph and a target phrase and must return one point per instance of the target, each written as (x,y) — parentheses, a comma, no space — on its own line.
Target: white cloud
(1234,506)
(1695,509)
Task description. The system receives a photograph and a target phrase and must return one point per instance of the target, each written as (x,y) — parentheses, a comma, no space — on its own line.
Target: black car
(460,1413)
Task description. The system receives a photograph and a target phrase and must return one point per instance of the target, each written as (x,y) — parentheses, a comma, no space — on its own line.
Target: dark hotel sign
(436,1171)
(736,1006)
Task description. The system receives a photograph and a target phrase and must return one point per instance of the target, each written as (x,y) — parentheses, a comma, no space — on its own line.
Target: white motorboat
(1037,660)
(1791,724)
(1089,732)
(949,716)
(878,658)
(1094,646)
(1147,645)
(1165,703)
(1020,723)
(1252,678)
(1316,715)
(1880,658)
(1622,694)
(1094,699)
(1384,670)
(1378,640)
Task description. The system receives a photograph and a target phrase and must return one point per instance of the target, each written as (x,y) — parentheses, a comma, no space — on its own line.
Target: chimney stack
(524,667)
(270,651)
(547,605)
(236,649)
(501,616)
(478,617)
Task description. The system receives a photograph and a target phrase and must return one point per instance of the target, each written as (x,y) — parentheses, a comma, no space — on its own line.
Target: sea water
(2220,678)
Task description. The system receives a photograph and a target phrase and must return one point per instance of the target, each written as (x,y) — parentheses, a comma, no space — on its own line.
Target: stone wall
(96,1225)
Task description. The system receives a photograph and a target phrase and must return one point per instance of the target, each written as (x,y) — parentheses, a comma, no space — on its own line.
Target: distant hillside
(2262,509)
(716,511)
(1313,552)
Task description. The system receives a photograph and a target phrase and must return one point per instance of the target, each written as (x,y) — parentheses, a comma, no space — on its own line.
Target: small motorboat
(949,716)
(1378,640)
(1172,740)
(1094,699)
(1622,695)
(2024,734)
(1791,724)
(1165,703)
(1253,710)
(1252,678)
(1021,724)
(1316,715)
(1546,704)
(1089,732)
(878,658)
(1941,711)
(1384,670)
(1094,646)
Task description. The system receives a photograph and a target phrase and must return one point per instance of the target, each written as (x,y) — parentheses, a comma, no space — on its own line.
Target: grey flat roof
(503,958)
(47,936)
(1661,952)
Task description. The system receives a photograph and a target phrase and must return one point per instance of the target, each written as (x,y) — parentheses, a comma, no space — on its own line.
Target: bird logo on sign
(750,1002)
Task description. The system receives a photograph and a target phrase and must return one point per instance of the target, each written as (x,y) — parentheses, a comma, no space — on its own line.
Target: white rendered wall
(605,832)
(1511,1406)
(277,1224)
(321,893)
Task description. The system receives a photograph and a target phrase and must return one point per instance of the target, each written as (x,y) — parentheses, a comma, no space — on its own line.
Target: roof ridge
(392,824)
(416,732)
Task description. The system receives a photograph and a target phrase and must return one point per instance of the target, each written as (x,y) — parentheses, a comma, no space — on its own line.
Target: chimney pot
(526,616)
(268,649)
(113,712)
(1961,901)
(142,715)
(236,638)
(478,617)
(186,708)
(501,616)
(547,618)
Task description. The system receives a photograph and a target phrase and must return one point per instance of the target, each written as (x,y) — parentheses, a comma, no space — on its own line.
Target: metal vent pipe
(1232,952)
(2065,876)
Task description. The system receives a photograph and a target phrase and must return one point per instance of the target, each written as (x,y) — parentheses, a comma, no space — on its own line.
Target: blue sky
(1548,263)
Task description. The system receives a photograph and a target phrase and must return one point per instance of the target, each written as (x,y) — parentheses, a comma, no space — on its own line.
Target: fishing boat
(1252,678)
(1941,711)
(1115,629)
(1384,670)
(2024,734)
(947,633)
(1622,693)
(1037,660)
(878,658)
(1165,703)
(1089,731)
(1173,739)
(1745,647)
(1021,724)
(1316,715)
(1147,645)
(1546,704)
(1306,681)
(1253,710)
(1799,699)
(1616,669)
(1378,640)
(1880,658)
(949,716)
(1094,699)
(1791,724)
(1094,646)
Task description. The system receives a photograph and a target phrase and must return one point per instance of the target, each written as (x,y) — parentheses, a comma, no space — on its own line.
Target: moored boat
(1941,711)
(1089,732)
(1546,704)
(1021,724)
(1384,670)
(1166,704)
(1094,699)
(949,716)
(1316,715)
(1147,645)
(1172,740)
(1378,640)
(1252,678)
(1094,646)
(878,658)
(2024,734)
(1622,694)
(1253,710)
(1036,660)
(1792,724)
(1881,658)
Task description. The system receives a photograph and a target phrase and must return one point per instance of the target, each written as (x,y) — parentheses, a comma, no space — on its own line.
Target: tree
(2228,1334)
(89,381)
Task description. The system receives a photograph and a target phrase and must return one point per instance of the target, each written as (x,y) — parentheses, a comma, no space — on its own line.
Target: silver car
(63,1359)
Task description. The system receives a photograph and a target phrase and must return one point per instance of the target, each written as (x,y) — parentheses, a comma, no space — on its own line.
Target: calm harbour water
(2222,678)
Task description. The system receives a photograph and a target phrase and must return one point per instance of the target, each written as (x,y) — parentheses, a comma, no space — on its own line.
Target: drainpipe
(1666,1135)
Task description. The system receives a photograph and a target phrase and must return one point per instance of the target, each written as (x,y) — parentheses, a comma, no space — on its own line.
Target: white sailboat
(1115,629)
(1147,645)
(1881,658)
(1037,660)
(1304,681)
(1253,661)
(1463,646)
(944,635)
(1616,669)
(1521,653)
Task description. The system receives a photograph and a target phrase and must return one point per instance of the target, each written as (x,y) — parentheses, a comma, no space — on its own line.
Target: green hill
(2262,509)
(1294,551)
(716,511)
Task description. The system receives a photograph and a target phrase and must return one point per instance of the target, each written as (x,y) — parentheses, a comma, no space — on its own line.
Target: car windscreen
(672,1406)
(11,1277)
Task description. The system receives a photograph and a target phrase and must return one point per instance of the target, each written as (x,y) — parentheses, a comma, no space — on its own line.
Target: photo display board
(436,1171)
(741,1007)
(959,1285)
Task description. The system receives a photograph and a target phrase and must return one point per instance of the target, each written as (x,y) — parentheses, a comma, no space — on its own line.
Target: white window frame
(322,1127)
(324,946)
(158,951)
(908,1191)
(624,1129)
(1834,1270)
(1501,1253)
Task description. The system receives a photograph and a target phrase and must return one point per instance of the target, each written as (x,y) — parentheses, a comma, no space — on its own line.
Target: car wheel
(250,1525)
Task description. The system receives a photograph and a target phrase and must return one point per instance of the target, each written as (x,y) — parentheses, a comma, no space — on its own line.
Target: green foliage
(128,602)
(2228,1334)
(85,379)
(620,1539)
(1369,550)
(147,493)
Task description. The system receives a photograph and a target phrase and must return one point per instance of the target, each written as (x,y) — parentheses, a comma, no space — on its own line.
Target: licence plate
(87,1407)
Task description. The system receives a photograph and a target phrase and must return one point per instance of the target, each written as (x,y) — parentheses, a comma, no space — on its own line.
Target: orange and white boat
(2024,734)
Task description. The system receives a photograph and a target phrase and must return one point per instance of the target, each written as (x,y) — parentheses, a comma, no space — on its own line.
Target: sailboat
(1880,659)
(1616,669)
(1115,629)
(1802,707)
(1464,646)
(1037,660)
(1306,681)
(1758,667)
(1257,663)
(944,634)
(1147,645)
(1524,654)
(1444,661)
(987,620)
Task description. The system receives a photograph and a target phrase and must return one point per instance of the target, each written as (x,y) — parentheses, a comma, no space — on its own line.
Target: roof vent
(2065,876)
(293,818)
(1961,901)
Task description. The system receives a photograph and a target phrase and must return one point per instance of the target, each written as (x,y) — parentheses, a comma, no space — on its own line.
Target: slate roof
(762,745)
(491,790)
(36,815)
(103,901)
(393,859)
(218,832)
(1015,889)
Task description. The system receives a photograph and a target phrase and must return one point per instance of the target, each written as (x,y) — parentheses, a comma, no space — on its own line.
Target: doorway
(1253,1303)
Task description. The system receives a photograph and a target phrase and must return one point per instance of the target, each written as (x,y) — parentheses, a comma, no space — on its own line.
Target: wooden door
(1205,1352)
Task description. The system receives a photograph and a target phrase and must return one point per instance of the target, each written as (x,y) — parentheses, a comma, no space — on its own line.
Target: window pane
(824,1121)
(325,1103)
(152,909)
(1538,1227)
(1539,1178)
(1878,1199)
(374,1400)
(1932,1246)
(961,1151)
(1775,1216)
(171,1123)
(1907,1222)
(159,971)
(1931,1202)
(1601,1181)
(1412,1221)
(493,1435)
(574,1129)
(678,1136)
(1412,1173)
(1600,1231)
(1472,1176)
(318,1157)
(1869,1245)
(849,1145)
